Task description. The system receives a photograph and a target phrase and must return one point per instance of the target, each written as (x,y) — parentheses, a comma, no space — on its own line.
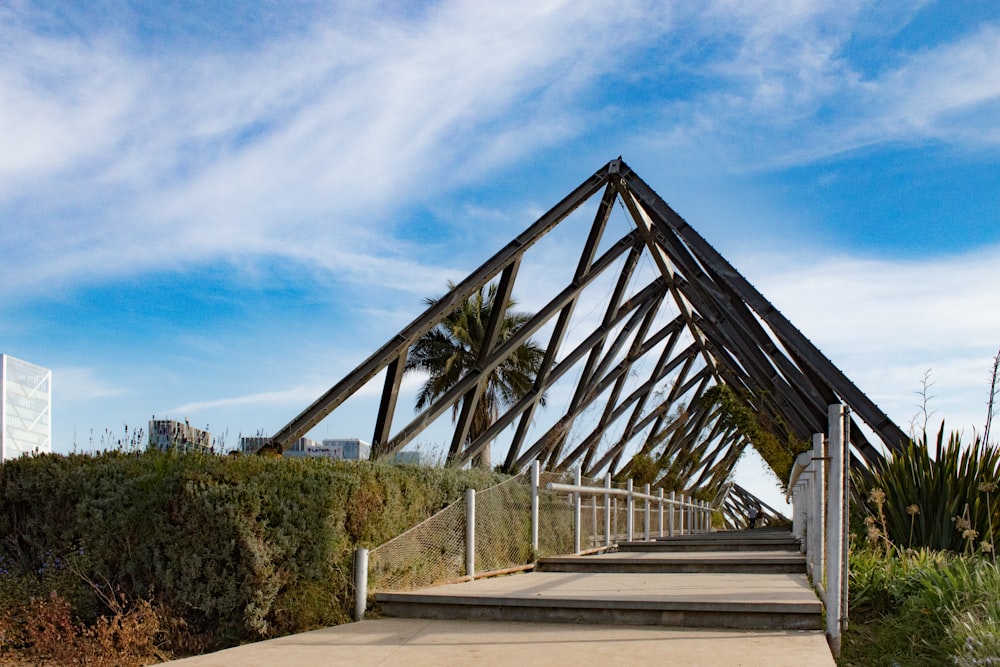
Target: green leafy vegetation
(230,549)
(452,349)
(941,499)
(922,607)
(772,438)
(924,583)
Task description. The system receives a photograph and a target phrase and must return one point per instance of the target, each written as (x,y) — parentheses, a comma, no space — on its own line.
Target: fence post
(470,533)
(593,513)
(817,504)
(835,516)
(607,510)
(614,510)
(577,527)
(535,474)
(630,518)
(673,509)
(649,507)
(360,583)
(661,511)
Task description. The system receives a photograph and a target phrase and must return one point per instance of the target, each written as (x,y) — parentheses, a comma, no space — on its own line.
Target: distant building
(250,444)
(348,449)
(167,434)
(25,408)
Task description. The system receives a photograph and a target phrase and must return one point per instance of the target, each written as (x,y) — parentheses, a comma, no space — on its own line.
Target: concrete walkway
(414,642)
(713,599)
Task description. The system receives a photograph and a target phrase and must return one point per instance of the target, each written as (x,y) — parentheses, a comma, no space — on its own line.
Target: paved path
(414,642)
(620,611)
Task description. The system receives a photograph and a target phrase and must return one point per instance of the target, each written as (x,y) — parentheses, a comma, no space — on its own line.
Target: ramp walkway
(727,598)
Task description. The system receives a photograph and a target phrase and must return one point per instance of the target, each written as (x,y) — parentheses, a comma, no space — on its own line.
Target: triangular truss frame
(724,332)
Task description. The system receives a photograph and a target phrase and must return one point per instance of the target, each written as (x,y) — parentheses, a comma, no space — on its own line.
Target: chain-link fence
(435,551)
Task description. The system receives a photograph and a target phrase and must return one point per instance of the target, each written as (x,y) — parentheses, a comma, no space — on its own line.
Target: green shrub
(947,500)
(235,548)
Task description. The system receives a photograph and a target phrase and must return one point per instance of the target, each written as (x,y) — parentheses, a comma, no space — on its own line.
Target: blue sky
(216,211)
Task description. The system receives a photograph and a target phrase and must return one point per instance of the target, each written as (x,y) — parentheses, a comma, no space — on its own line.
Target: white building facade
(25,408)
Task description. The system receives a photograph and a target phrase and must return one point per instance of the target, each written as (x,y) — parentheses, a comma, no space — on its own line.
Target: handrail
(802,461)
(604,491)
(817,486)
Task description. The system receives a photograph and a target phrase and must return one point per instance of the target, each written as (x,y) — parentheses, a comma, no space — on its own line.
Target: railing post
(661,512)
(673,510)
(577,521)
(535,476)
(470,533)
(614,516)
(607,510)
(593,517)
(360,583)
(630,519)
(835,516)
(648,510)
(818,505)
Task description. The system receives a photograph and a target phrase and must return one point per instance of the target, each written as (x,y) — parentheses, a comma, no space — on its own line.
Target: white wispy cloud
(312,138)
(784,86)
(80,384)
(886,322)
(294,396)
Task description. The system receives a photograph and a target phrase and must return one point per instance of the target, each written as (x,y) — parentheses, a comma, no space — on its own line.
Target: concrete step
(762,562)
(745,601)
(747,540)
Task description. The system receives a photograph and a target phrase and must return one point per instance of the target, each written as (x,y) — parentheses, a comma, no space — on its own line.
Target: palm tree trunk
(482,459)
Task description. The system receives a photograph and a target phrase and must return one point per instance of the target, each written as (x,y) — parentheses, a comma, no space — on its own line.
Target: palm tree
(450,350)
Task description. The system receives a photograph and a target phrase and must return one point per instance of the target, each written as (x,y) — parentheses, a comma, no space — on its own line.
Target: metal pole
(845,522)
(680,513)
(607,511)
(360,583)
(614,510)
(535,475)
(593,515)
(835,529)
(818,504)
(648,510)
(470,533)
(577,527)
(661,511)
(630,519)
(673,510)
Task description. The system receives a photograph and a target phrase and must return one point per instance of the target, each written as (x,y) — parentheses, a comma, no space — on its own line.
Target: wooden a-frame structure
(646,367)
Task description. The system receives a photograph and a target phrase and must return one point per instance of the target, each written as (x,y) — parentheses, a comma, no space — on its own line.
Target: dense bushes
(228,548)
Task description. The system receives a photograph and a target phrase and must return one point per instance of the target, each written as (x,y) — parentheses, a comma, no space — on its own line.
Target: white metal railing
(675,514)
(695,514)
(818,490)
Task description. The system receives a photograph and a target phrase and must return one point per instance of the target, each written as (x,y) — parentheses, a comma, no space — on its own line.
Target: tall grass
(923,607)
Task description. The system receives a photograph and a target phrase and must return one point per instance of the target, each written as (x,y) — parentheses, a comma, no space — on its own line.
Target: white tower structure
(25,408)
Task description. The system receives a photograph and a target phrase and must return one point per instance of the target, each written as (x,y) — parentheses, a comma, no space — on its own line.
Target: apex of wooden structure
(678,320)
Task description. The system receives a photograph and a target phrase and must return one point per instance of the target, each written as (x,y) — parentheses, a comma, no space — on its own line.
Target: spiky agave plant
(927,488)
